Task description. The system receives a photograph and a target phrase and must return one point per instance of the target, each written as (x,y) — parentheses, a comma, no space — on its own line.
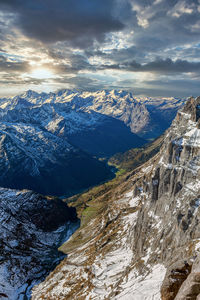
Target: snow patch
(143,288)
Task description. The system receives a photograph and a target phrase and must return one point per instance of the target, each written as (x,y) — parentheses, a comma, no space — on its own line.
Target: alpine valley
(48,142)
(139,236)
(130,234)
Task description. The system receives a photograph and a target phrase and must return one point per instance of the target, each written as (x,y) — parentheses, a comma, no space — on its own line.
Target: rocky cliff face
(144,240)
(32,228)
(190,289)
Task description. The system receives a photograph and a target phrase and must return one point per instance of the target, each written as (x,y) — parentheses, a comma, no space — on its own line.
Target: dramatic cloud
(150,47)
(7,65)
(78,22)
(159,66)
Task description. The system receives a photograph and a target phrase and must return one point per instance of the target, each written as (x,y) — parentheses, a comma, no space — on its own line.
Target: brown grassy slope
(91,204)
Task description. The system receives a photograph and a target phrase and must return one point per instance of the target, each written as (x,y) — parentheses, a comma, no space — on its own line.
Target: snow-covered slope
(32,228)
(33,158)
(143,241)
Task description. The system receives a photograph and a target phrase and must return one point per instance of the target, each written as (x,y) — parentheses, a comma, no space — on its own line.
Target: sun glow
(41,73)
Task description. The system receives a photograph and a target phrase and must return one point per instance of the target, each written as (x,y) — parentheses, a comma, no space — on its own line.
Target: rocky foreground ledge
(32,228)
(146,236)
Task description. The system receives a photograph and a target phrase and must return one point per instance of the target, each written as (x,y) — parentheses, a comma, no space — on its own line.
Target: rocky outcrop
(32,228)
(190,289)
(175,276)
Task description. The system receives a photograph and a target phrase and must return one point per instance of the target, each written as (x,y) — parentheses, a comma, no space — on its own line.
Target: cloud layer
(150,46)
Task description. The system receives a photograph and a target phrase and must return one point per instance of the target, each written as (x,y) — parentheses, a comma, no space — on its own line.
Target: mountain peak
(192,107)
(29,94)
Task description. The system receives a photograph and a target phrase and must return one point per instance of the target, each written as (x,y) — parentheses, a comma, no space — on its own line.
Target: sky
(149,47)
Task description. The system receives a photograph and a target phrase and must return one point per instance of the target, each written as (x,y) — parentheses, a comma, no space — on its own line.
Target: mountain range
(136,236)
(49,140)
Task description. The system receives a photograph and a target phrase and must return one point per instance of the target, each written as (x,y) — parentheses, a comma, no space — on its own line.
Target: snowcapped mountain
(32,228)
(145,237)
(47,141)
(70,112)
